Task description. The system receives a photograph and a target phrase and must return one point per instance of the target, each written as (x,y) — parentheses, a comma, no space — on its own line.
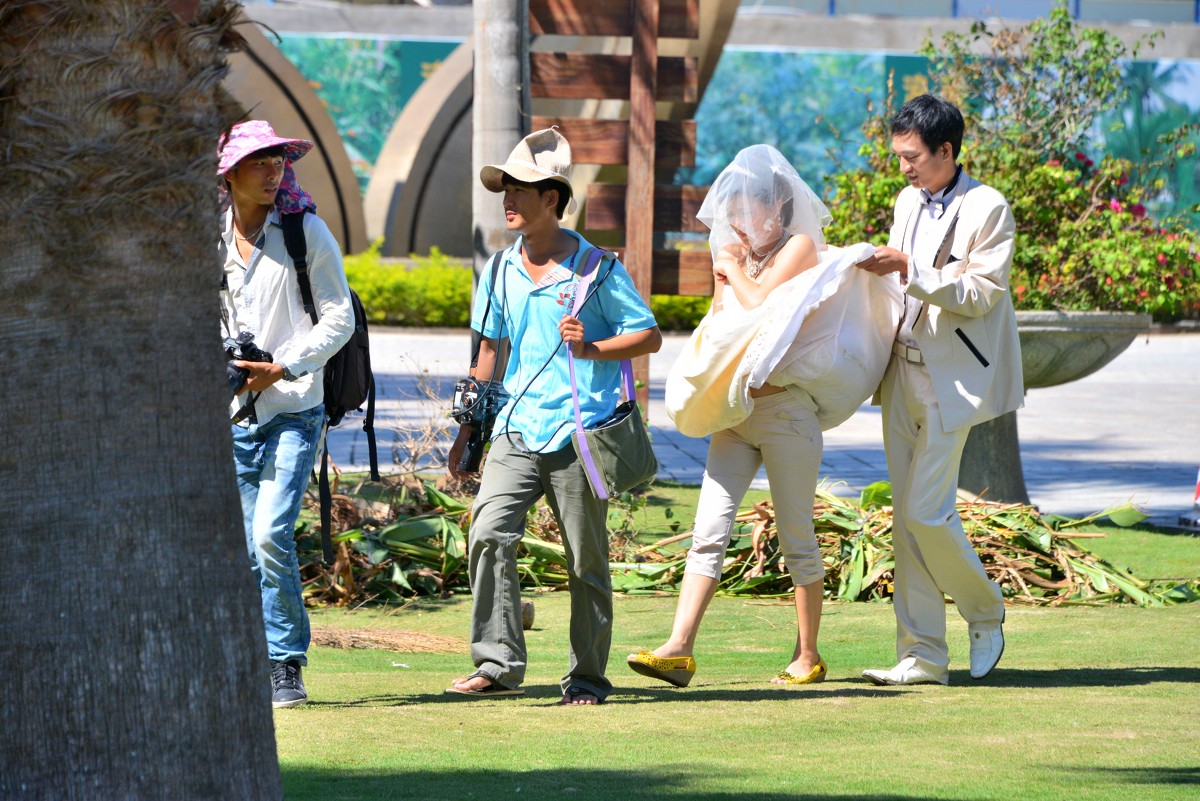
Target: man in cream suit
(956,362)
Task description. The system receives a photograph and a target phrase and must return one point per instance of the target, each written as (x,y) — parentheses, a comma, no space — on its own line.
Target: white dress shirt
(929,231)
(264,298)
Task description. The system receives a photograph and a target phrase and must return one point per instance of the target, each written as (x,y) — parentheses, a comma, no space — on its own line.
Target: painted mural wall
(364,84)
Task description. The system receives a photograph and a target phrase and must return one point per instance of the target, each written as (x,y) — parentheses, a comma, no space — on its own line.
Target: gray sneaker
(287,688)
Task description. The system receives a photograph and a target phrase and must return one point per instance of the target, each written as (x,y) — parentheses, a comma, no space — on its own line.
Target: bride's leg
(792,444)
(694,594)
(808,624)
(731,466)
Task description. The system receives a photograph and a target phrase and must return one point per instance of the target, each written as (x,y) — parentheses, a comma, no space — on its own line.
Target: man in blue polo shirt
(531,456)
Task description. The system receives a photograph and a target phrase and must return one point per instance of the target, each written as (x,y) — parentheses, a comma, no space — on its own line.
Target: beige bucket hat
(542,155)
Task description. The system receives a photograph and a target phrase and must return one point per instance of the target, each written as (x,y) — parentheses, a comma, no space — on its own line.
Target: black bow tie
(938,204)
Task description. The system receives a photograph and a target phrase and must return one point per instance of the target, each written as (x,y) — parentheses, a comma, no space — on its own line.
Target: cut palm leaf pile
(409,538)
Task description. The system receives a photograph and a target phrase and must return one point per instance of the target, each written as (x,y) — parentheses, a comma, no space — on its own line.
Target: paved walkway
(1128,432)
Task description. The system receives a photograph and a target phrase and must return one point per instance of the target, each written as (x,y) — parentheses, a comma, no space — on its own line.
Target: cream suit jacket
(967,329)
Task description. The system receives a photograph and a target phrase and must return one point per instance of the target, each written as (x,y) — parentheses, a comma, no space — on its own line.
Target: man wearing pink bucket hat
(276,370)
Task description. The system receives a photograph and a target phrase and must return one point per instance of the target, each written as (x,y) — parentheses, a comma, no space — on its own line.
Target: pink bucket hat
(254,135)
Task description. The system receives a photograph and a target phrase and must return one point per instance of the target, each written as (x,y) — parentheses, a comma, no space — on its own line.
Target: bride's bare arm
(727,260)
(798,255)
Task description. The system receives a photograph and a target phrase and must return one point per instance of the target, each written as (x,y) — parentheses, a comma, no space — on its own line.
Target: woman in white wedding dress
(793,339)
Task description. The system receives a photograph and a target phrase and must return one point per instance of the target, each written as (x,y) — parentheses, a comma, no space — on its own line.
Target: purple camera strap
(585,453)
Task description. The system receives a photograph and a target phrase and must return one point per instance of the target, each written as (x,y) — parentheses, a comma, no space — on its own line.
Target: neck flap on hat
(291,198)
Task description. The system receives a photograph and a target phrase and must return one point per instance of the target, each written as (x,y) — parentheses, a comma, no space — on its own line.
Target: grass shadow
(1148,775)
(1083,677)
(578,784)
(550,694)
(642,695)
(1034,679)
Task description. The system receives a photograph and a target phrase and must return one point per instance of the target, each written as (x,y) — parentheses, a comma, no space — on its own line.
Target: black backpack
(348,379)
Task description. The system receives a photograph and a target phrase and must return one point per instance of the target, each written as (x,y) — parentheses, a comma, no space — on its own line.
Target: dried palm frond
(421,549)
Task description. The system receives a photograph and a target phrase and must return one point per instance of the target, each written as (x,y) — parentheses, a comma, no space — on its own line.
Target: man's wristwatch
(288,375)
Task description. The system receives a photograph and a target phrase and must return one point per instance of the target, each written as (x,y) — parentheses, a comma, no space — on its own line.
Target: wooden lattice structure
(649,147)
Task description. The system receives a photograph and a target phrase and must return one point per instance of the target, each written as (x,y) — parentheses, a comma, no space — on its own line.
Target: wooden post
(639,200)
(642,143)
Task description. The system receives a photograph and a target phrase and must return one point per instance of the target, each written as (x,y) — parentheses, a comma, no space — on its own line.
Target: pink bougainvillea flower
(1053,163)
(1162,258)
(1080,157)
(1115,205)
(1139,211)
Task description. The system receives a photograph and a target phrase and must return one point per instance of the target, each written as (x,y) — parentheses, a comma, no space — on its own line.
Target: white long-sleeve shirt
(932,223)
(264,298)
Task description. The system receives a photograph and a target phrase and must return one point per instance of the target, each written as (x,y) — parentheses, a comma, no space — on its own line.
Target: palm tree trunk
(132,660)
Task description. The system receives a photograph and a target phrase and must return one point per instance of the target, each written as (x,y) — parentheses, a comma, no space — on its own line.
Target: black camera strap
(477,336)
(592,262)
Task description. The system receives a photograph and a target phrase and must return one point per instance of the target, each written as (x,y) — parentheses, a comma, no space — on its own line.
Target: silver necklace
(754,267)
(252,236)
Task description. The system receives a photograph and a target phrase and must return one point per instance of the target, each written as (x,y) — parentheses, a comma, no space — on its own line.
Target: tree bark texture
(132,657)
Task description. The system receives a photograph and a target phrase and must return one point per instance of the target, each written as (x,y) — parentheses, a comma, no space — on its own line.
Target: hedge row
(434,291)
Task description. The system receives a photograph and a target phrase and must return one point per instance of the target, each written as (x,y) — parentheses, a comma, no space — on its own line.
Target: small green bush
(434,292)
(679,312)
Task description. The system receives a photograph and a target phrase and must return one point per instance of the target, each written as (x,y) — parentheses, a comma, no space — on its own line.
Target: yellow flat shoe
(677,670)
(817,674)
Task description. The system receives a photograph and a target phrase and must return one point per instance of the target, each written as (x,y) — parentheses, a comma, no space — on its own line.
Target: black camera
(242,349)
(478,404)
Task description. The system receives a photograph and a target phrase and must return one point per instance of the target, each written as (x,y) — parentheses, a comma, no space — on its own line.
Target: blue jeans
(273,464)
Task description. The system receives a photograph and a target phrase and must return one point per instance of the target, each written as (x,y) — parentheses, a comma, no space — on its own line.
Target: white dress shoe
(908,671)
(987,646)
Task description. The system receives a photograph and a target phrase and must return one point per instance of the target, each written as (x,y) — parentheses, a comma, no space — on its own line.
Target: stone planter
(1056,347)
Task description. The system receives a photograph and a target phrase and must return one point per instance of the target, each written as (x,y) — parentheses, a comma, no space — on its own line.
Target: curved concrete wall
(420,190)
(266,86)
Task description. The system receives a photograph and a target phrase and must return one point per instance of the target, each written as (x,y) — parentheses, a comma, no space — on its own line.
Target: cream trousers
(783,434)
(933,556)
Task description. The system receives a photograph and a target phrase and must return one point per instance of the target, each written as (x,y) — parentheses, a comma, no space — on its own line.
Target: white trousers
(933,556)
(783,434)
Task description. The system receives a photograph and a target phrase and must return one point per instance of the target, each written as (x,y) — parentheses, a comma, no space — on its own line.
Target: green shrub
(434,292)
(1085,238)
(679,312)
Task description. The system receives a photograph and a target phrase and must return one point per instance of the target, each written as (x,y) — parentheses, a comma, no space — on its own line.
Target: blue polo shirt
(537,377)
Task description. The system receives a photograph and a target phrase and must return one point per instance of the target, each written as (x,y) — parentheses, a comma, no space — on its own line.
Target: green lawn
(1088,703)
(1149,553)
